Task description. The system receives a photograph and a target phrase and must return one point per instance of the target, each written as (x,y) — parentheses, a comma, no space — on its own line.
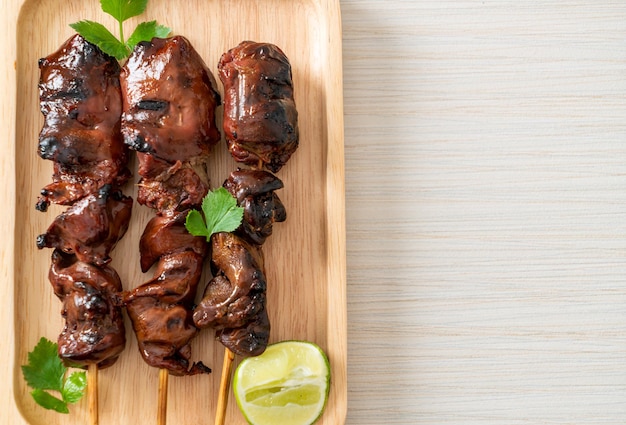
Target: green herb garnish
(45,372)
(121,10)
(221,214)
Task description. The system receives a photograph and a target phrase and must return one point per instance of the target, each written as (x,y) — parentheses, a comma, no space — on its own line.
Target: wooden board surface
(305,258)
(486,211)
(485,199)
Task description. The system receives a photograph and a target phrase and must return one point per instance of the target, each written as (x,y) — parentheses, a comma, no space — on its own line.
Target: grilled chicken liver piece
(260,116)
(254,191)
(91,227)
(234,300)
(80,99)
(94,325)
(169,101)
(160,311)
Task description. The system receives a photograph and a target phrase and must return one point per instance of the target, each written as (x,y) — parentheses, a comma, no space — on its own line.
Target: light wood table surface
(486,194)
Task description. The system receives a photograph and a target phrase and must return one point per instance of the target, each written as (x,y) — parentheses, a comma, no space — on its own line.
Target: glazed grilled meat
(164,235)
(168,117)
(250,339)
(261,128)
(160,309)
(254,191)
(260,117)
(160,312)
(91,227)
(234,300)
(80,100)
(169,101)
(169,113)
(94,325)
(170,187)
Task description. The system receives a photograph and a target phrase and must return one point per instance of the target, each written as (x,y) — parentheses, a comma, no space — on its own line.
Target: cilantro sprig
(121,10)
(221,214)
(45,372)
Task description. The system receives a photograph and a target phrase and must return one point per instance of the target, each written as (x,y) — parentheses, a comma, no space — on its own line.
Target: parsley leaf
(48,401)
(221,214)
(97,34)
(121,10)
(195,224)
(74,387)
(45,372)
(146,31)
(44,369)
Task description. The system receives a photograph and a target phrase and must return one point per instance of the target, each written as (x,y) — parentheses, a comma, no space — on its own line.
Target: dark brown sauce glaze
(160,313)
(254,191)
(94,325)
(164,235)
(169,101)
(260,116)
(169,188)
(80,100)
(234,300)
(91,227)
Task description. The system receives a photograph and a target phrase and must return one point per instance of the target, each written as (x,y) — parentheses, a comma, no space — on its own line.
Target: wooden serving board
(305,258)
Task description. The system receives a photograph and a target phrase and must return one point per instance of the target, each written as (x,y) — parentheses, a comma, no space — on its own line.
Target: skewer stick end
(162,401)
(92,393)
(222,400)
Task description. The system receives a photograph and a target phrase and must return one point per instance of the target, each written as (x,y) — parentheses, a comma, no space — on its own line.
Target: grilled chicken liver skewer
(234,300)
(81,102)
(169,101)
(261,129)
(160,309)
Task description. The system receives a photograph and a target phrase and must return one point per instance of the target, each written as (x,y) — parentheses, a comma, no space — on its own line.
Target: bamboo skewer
(162,401)
(222,400)
(92,393)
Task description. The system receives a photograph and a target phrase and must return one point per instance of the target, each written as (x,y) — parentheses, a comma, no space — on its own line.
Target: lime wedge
(286,385)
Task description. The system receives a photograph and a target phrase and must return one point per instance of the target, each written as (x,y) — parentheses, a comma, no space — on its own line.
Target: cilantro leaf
(121,10)
(74,387)
(195,224)
(146,31)
(97,34)
(221,214)
(44,370)
(48,401)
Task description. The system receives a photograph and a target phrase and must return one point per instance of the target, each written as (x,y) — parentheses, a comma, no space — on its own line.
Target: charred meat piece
(94,325)
(248,340)
(170,187)
(234,300)
(90,228)
(260,117)
(160,311)
(169,101)
(164,235)
(254,191)
(80,99)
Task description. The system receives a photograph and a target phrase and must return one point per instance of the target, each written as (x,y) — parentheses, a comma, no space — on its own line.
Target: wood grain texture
(305,258)
(485,147)
(486,206)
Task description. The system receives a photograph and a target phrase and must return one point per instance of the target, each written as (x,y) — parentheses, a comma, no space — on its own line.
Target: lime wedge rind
(287,385)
